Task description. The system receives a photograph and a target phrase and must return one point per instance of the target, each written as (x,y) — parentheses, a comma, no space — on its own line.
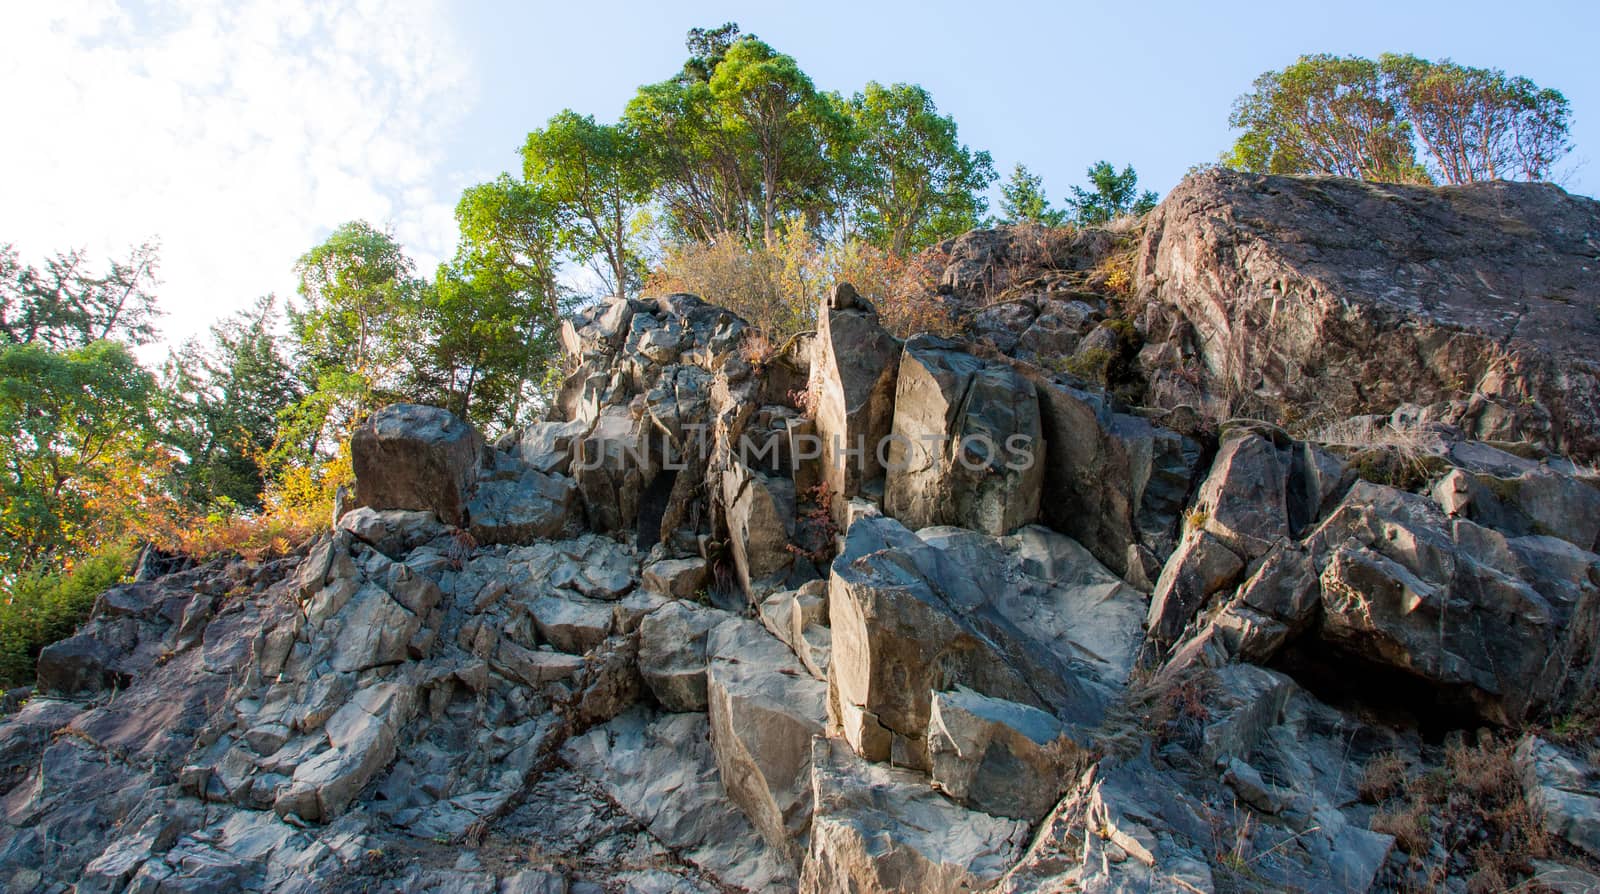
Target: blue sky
(240,134)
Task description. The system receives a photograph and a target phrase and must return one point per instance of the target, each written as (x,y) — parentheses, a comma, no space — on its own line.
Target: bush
(39,608)
(778,286)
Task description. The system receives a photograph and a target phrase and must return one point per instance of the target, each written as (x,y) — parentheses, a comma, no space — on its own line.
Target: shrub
(41,608)
(778,286)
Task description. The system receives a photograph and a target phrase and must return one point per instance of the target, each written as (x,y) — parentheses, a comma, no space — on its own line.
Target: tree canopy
(1355,117)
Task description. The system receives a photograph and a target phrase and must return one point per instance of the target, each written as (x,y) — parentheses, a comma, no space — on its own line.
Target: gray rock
(409,456)
(1000,757)
(1307,294)
(677,578)
(853,375)
(764,710)
(760,517)
(882,829)
(548,447)
(1201,567)
(393,532)
(1244,497)
(520,510)
(1561,792)
(967,447)
(571,625)
(672,653)
(662,771)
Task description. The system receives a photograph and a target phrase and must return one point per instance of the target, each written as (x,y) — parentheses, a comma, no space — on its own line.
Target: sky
(240,134)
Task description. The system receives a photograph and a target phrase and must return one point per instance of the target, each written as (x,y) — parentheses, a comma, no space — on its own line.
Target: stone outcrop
(966,443)
(414,457)
(853,378)
(620,650)
(1349,297)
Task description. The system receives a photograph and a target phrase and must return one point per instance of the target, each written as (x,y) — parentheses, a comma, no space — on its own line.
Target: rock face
(852,382)
(414,457)
(966,446)
(879,829)
(1357,297)
(622,651)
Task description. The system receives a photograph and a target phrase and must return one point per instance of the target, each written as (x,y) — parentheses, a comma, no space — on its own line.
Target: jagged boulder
(672,653)
(612,468)
(1113,482)
(522,507)
(409,456)
(1000,757)
(1308,294)
(764,710)
(853,376)
(760,512)
(1031,619)
(967,447)
(881,830)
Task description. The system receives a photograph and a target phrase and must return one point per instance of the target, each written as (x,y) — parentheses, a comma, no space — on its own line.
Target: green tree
(223,400)
(707,47)
(1323,115)
(704,172)
(762,96)
(595,175)
(355,333)
(75,426)
(1476,123)
(1022,200)
(918,183)
(66,304)
(1112,194)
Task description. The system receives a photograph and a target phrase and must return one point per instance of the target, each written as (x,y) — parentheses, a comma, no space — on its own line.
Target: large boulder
(764,711)
(1503,625)
(853,376)
(1113,482)
(1029,619)
(1000,757)
(613,466)
(760,512)
(879,830)
(532,505)
(1345,297)
(672,653)
(967,447)
(408,456)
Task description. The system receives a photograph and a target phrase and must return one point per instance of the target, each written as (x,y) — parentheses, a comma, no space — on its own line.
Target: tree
(1113,195)
(1476,123)
(355,335)
(1323,115)
(75,426)
(1022,200)
(764,97)
(707,47)
(595,175)
(223,400)
(919,184)
(65,304)
(704,172)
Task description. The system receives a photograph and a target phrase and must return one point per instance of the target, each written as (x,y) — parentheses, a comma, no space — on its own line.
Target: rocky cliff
(1025,611)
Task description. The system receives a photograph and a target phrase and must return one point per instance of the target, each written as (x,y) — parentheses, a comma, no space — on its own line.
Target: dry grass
(1472,807)
(1411,824)
(1384,777)
(1382,451)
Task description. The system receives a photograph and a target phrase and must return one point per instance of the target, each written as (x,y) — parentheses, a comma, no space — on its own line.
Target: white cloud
(237,133)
